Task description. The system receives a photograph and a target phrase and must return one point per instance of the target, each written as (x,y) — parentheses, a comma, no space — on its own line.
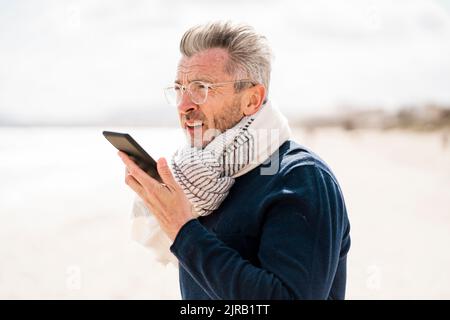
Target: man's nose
(186,105)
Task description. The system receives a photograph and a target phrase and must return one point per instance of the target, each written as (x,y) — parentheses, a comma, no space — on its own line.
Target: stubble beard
(230,116)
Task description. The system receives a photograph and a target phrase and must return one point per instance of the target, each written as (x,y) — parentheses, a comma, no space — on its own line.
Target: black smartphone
(125,143)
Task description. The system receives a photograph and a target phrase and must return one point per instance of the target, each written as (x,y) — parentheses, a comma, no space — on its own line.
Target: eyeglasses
(197,90)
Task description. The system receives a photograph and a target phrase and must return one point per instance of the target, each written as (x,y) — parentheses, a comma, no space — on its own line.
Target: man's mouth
(194,125)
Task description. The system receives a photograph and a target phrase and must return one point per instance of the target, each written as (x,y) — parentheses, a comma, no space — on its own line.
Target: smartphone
(125,143)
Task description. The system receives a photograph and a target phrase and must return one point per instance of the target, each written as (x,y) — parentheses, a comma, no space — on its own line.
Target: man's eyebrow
(203,78)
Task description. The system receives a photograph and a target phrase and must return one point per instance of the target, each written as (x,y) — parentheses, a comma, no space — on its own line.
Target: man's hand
(166,201)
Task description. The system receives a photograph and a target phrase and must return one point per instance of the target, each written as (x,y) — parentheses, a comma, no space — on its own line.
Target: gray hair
(249,53)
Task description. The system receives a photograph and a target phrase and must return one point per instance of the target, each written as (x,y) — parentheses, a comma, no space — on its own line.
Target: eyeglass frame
(208,86)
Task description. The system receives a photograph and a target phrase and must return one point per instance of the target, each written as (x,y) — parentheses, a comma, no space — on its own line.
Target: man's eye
(177,88)
(201,86)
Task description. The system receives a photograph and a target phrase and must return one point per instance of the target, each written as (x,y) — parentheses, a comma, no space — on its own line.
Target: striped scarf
(207,175)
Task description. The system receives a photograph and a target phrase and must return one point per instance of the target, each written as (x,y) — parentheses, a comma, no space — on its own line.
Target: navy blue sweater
(280,236)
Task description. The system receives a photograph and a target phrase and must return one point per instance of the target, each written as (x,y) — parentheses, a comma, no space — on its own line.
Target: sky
(75,61)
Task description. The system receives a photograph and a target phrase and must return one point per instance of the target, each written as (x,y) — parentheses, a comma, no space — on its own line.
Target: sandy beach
(65,214)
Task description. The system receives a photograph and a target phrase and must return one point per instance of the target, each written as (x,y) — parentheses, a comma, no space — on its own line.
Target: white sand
(65,212)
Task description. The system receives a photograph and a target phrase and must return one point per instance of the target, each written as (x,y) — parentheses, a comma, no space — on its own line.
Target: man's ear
(253,99)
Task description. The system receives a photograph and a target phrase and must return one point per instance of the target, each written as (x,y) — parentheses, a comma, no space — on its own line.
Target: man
(247,216)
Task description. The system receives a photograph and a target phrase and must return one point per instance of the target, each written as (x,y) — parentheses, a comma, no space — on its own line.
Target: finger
(140,175)
(135,185)
(126,168)
(165,173)
(132,158)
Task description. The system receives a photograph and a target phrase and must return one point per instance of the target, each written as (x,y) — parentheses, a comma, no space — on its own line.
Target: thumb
(165,173)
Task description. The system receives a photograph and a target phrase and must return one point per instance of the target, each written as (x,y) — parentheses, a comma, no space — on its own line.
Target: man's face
(222,108)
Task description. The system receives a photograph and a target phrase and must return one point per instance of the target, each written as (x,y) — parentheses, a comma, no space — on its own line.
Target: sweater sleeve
(299,248)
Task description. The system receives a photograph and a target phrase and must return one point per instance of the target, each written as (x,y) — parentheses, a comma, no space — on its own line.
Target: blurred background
(365,84)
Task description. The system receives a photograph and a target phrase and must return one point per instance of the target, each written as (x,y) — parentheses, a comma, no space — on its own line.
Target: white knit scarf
(207,175)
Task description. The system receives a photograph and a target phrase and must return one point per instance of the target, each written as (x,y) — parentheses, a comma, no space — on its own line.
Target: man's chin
(201,139)
(197,143)
(195,140)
